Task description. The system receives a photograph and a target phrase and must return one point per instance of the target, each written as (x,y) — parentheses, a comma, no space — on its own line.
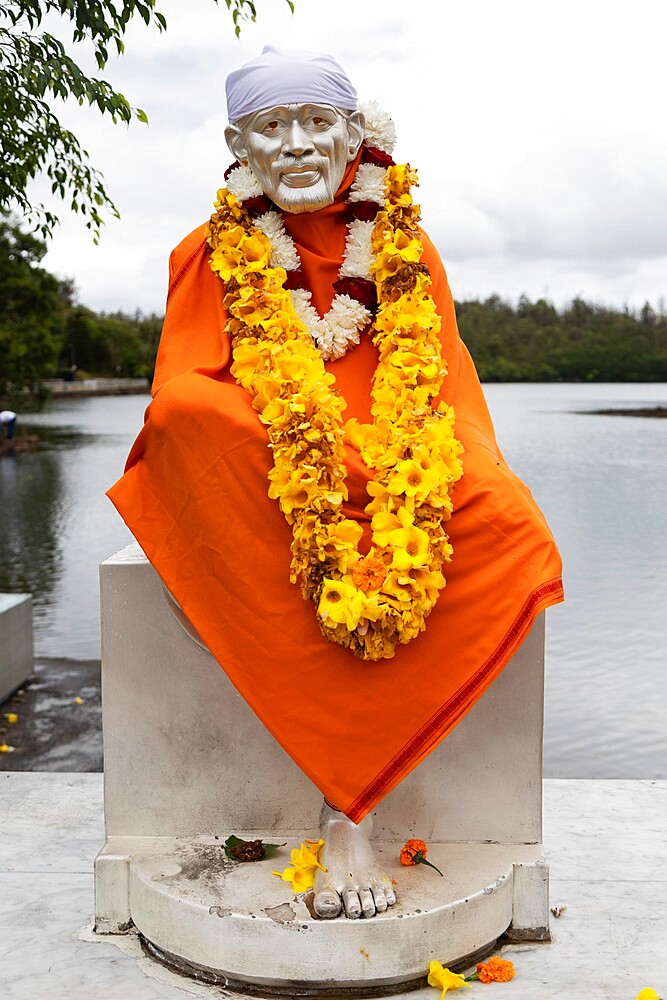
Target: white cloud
(538,130)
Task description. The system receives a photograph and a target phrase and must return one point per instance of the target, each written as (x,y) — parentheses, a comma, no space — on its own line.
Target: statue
(360,687)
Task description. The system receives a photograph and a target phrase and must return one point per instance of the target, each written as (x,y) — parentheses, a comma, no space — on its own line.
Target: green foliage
(534,342)
(246,10)
(33,310)
(42,331)
(35,68)
(110,344)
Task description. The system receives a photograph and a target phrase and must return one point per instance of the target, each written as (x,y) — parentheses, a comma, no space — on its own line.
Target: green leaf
(270,850)
(234,841)
(36,66)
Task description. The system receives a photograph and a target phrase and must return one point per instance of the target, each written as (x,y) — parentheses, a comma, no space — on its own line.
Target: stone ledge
(203,912)
(16,653)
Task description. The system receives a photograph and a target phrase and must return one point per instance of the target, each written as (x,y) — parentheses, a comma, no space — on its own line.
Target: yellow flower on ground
(648,993)
(302,879)
(4,748)
(443,979)
(11,717)
(78,701)
(301,873)
(306,856)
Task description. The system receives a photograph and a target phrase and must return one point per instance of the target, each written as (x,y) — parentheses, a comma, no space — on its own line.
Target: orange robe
(194,495)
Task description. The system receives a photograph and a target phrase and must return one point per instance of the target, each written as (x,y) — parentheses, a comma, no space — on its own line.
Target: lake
(601,481)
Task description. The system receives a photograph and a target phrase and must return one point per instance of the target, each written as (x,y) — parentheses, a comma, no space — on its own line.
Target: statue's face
(298,152)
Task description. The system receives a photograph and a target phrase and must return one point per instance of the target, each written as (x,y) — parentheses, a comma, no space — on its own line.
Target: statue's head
(294,122)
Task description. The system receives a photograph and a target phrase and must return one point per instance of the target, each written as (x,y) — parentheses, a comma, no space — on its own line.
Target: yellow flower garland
(367,603)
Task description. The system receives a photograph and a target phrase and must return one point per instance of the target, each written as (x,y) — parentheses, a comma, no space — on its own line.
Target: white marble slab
(607,847)
(612,829)
(50,822)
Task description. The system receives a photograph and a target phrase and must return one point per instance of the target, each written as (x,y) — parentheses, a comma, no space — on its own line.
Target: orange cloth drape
(194,495)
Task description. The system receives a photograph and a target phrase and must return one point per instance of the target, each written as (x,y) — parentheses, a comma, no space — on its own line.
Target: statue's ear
(356,124)
(236,143)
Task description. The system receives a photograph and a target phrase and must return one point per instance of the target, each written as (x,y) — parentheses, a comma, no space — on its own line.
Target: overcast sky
(539,130)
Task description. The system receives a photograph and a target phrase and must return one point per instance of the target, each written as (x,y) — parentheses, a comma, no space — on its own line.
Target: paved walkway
(607,847)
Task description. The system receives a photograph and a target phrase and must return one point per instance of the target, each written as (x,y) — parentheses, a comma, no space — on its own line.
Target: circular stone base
(298,990)
(233,923)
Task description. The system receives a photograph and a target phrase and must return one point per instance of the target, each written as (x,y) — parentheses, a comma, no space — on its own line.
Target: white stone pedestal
(16,652)
(186,762)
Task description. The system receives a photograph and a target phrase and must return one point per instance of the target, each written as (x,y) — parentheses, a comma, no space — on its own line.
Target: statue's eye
(271,126)
(320,122)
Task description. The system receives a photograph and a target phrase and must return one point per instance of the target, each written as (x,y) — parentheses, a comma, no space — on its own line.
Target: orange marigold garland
(368,603)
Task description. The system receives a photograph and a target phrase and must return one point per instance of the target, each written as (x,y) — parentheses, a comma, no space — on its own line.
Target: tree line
(45,332)
(535,342)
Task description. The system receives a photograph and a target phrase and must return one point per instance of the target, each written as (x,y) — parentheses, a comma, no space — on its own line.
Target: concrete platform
(607,847)
(176,890)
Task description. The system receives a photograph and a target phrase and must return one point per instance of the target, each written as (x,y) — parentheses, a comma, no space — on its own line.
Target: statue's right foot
(353,884)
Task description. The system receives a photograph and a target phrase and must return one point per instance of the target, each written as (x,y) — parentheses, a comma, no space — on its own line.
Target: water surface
(601,481)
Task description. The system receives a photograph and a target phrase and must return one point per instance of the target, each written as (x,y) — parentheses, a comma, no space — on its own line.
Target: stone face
(16,649)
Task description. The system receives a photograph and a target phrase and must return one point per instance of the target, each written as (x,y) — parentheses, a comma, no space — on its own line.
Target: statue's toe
(390,896)
(352,904)
(368,906)
(328,904)
(380,899)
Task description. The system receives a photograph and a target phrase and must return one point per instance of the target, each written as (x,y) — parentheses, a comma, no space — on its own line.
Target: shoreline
(659,412)
(59,718)
(60,388)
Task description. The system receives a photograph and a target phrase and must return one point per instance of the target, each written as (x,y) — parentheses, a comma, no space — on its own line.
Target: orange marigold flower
(412,848)
(369,573)
(495,970)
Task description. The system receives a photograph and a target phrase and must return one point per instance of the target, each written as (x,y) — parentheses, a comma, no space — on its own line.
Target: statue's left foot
(353,882)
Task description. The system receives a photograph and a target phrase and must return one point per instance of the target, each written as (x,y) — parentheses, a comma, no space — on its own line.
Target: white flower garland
(343,324)
(283,249)
(379,128)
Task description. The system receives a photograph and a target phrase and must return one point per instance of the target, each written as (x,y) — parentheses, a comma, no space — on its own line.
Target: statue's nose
(297,141)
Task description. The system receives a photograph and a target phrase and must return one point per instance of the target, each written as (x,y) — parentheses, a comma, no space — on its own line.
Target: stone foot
(353,882)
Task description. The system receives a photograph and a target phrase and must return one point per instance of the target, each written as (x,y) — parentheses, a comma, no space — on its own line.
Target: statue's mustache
(298,162)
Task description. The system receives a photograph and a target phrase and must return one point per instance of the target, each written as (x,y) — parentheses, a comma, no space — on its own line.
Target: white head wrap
(287,76)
